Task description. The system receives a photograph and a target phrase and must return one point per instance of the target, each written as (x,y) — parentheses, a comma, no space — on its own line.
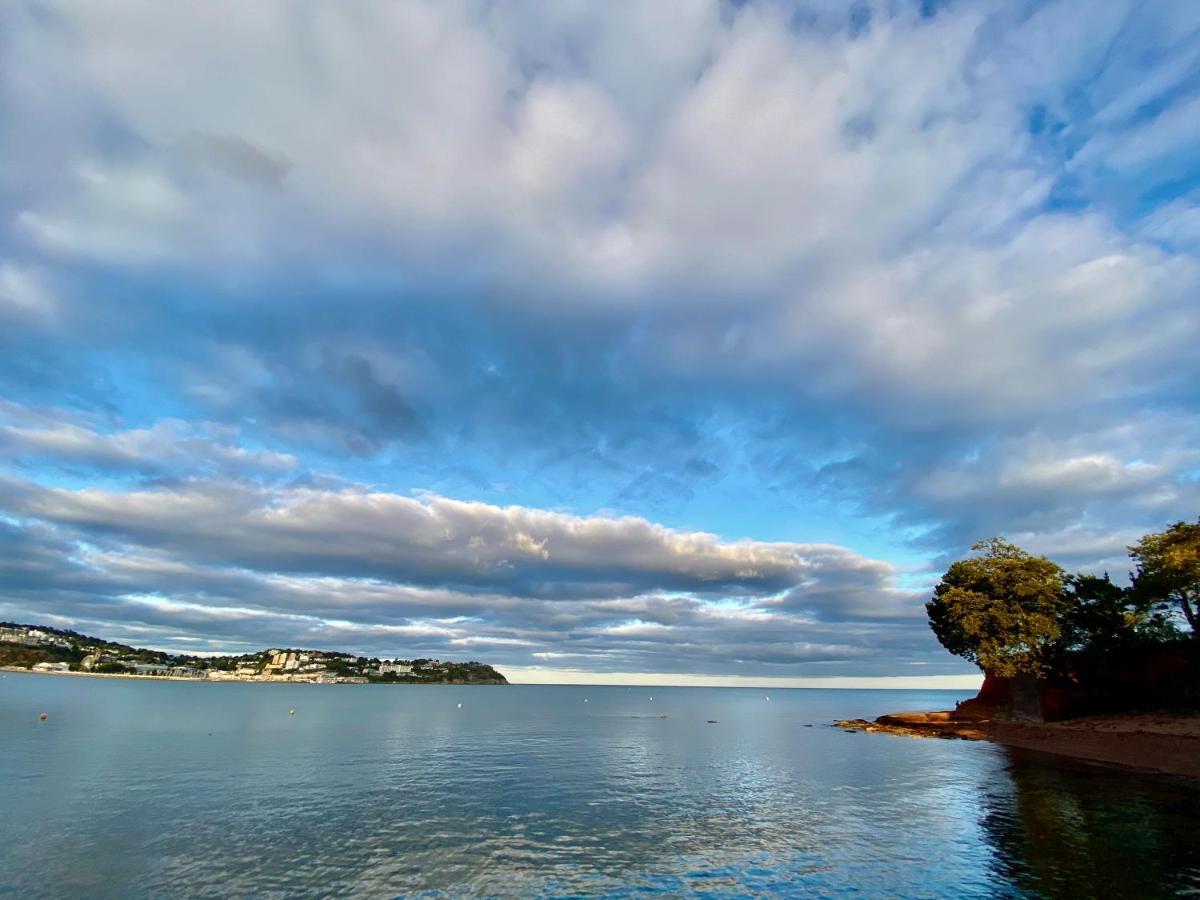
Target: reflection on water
(1068,829)
(135,789)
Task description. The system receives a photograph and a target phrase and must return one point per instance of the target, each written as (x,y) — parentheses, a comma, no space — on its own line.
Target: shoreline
(131,677)
(1166,742)
(21,671)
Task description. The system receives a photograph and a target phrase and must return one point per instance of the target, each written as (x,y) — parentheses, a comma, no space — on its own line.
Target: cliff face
(1153,677)
(1004,698)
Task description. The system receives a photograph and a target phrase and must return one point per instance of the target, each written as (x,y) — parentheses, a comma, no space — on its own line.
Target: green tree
(1002,609)
(1098,614)
(1168,570)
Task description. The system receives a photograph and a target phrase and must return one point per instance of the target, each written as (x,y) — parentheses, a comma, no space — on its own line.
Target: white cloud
(860,215)
(122,215)
(166,444)
(24,294)
(1175,130)
(432,539)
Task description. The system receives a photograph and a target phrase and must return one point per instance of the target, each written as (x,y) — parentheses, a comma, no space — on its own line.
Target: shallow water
(135,789)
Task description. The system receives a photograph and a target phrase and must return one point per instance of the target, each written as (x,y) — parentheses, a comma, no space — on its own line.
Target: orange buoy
(42,717)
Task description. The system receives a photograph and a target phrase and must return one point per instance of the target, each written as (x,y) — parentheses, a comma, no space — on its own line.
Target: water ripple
(153,790)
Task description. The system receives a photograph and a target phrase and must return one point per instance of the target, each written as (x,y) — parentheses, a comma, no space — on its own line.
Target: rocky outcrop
(1160,742)
(1019,699)
(1087,711)
(915,724)
(1150,677)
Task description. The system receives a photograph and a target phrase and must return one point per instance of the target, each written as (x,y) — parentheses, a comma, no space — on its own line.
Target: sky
(617,341)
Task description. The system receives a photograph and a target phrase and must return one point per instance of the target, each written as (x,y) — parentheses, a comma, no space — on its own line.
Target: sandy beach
(1167,742)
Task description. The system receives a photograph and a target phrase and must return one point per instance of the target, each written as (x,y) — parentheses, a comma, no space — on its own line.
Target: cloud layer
(678,302)
(445,577)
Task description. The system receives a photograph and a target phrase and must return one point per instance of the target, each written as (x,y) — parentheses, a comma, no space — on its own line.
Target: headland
(41,649)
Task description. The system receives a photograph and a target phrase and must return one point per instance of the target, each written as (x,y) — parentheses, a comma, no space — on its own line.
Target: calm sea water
(133,789)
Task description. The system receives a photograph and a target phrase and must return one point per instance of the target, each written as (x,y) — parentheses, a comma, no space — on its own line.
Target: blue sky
(681,340)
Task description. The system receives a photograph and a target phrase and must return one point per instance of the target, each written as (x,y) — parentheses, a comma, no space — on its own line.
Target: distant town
(50,650)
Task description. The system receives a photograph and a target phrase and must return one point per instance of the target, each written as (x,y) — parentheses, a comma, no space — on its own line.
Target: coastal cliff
(1138,711)
(1164,676)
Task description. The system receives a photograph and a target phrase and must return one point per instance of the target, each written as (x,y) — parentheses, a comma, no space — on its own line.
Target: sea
(177,789)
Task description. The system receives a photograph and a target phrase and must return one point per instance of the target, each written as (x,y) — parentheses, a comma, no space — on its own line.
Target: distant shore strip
(273,679)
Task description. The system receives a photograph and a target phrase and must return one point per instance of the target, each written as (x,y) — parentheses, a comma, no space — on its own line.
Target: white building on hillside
(51,667)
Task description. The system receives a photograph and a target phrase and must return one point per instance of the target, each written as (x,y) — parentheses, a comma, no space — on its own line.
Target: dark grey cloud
(238,157)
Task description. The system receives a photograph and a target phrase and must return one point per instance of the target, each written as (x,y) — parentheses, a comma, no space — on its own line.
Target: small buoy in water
(291,712)
(768,699)
(42,717)
(585,699)
(651,699)
(460,706)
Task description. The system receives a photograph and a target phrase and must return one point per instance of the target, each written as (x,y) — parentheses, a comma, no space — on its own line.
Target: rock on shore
(1166,742)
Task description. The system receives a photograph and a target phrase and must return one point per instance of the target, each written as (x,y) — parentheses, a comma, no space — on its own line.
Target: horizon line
(536,675)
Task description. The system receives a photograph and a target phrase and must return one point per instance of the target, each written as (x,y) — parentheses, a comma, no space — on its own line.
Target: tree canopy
(1002,609)
(1168,570)
(1012,613)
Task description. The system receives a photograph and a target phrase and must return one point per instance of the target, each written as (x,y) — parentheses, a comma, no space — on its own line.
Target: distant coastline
(19,670)
(129,676)
(44,650)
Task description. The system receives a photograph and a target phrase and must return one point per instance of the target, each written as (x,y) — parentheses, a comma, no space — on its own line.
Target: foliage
(1002,609)
(115,659)
(1012,613)
(25,657)
(341,666)
(1168,571)
(1097,614)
